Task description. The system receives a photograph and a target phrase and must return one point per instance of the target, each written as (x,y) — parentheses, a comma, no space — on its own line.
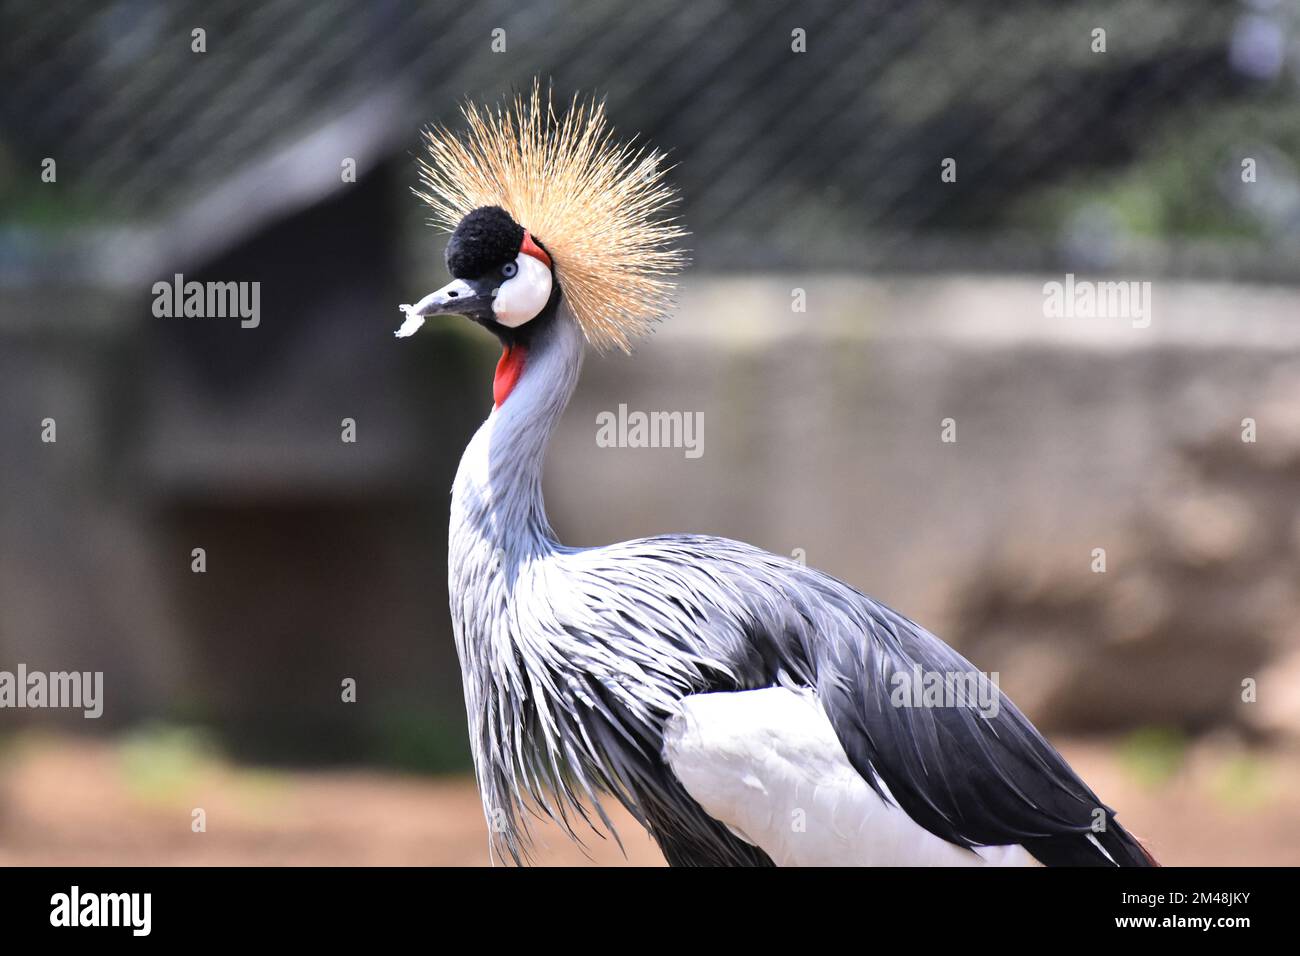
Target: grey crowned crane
(743,707)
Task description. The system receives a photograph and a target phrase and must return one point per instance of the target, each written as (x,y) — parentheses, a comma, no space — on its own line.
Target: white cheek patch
(520,299)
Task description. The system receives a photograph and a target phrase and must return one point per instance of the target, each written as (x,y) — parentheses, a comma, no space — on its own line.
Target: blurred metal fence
(828,158)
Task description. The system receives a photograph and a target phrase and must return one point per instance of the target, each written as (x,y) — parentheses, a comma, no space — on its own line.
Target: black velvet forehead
(485,239)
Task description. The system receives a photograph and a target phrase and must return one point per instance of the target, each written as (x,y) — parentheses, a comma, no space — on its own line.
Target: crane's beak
(471,298)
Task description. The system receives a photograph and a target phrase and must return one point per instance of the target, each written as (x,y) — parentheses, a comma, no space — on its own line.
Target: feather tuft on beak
(412,323)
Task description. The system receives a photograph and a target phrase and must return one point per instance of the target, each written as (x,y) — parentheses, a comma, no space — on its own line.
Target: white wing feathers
(767,764)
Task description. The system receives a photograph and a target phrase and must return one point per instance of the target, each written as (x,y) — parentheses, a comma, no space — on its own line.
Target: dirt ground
(73,802)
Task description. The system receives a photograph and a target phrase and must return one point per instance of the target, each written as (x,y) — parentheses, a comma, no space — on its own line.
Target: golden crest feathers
(599,207)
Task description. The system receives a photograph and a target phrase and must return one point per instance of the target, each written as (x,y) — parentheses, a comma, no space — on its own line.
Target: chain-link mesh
(827,158)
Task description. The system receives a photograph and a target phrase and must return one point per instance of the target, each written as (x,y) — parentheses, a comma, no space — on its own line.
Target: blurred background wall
(809,143)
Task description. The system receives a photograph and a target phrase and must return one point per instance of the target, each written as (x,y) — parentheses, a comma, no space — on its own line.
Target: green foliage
(421,741)
(1153,754)
(1241,781)
(1185,183)
(160,761)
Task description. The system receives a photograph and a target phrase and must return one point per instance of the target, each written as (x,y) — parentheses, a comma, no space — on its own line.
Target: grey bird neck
(499,484)
(499,537)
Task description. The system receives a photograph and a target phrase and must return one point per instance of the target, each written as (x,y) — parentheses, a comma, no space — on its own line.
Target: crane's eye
(509,270)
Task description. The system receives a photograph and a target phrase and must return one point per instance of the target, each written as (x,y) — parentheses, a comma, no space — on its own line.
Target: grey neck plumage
(499,531)
(497,496)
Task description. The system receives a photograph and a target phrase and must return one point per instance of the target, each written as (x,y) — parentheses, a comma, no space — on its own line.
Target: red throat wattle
(509,367)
